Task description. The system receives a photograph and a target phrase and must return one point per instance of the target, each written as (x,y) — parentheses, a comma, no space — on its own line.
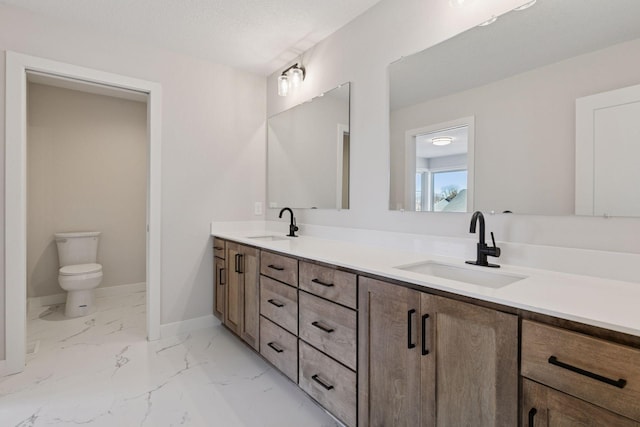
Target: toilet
(79,273)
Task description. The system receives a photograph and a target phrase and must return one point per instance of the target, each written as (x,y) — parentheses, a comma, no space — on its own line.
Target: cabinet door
(545,407)
(233,294)
(219,289)
(389,357)
(250,329)
(470,369)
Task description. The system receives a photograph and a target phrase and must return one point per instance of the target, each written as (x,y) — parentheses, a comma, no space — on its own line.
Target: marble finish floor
(99,370)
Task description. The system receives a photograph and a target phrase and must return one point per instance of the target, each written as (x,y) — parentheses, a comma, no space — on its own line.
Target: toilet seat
(78,269)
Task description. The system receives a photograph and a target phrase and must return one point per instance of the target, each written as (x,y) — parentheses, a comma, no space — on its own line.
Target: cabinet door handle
(218,248)
(275,302)
(323,383)
(322,327)
(275,267)
(221,276)
(425,350)
(532,414)
(236,269)
(616,383)
(275,347)
(320,282)
(410,343)
(240,261)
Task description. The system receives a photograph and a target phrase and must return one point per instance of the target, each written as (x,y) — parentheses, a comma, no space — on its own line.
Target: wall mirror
(517,82)
(308,153)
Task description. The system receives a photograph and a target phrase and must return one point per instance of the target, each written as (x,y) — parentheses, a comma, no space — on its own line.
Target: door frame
(17,66)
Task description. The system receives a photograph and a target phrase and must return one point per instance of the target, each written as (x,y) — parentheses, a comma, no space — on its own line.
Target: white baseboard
(185,326)
(106,291)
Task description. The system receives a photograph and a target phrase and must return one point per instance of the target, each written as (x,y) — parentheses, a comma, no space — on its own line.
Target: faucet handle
(495,249)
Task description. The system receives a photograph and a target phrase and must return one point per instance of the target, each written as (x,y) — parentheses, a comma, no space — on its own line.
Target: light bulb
(488,21)
(297,76)
(283,85)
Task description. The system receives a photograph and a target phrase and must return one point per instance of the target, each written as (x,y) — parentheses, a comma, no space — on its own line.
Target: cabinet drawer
(279,267)
(279,347)
(218,248)
(545,407)
(329,327)
(328,382)
(279,303)
(591,369)
(329,283)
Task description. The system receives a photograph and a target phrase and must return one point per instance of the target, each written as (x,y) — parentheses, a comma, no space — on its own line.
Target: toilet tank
(77,248)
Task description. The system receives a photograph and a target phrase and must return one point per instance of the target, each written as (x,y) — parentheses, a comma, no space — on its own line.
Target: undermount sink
(474,276)
(267,238)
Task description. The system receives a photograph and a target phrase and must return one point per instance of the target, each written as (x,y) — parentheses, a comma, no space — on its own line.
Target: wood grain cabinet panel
(545,407)
(279,347)
(242,292)
(432,361)
(388,355)
(219,248)
(329,327)
(279,303)
(220,279)
(329,283)
(279,267)
(595,370)
(328,382)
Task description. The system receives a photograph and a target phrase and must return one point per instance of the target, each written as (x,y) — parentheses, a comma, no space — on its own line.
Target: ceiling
(255,35)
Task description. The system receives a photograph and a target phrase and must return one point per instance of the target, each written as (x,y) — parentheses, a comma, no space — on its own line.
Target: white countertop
(610,304)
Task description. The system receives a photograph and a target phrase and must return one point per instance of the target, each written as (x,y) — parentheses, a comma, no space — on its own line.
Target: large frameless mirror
(308,153)
(517,82)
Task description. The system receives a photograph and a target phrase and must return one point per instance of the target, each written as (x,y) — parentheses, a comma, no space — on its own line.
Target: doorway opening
(18,68)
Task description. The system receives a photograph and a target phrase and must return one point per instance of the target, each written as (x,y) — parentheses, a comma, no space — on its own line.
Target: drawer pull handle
(275,267)
(320,282)
(532,414)
(275,347)
(410,344)
(218,248)
(616,383)
(323,327)
(319,380)
(425,350)
(275,302)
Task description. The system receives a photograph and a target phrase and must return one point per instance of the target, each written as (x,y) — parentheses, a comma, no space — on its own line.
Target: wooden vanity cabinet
(426,360)
(242,311)
(219,278)
(575,379)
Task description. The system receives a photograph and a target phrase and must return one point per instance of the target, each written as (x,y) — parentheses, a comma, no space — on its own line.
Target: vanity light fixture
(488,21)
(526,5)
(442,140)
(292,77)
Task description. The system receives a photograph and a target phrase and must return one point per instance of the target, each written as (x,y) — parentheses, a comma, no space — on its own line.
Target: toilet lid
(72,270)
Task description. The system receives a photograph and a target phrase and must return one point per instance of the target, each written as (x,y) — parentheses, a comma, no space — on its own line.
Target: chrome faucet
(292,226)
(483,250)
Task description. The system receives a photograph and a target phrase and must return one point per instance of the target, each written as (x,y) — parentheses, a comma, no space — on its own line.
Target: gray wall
(86,171)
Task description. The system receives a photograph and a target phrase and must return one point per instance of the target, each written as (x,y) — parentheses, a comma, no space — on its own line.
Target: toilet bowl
(79,273)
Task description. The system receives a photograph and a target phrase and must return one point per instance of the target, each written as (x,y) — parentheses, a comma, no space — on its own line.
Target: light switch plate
(257,208)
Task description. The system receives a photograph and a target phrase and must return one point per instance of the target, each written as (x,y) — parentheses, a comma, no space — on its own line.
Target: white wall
(508,114)
(360,53)
(213,142)
(86,170)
